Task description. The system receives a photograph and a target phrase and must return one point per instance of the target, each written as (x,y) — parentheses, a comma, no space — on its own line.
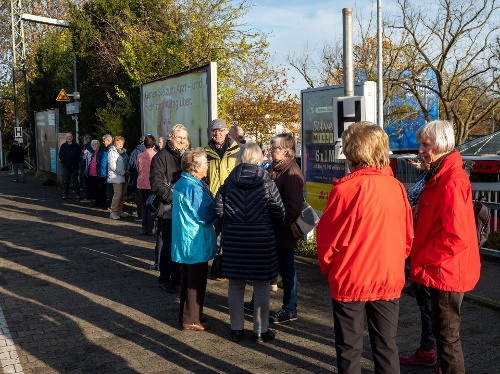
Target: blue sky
(291,24)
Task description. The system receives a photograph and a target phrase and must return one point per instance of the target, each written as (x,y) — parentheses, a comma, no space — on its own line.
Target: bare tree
(453,39)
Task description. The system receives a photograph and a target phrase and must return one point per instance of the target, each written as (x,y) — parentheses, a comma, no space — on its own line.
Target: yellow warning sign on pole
(63,96)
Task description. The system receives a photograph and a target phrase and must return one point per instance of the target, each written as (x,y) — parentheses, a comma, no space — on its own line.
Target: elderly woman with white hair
(445,255)
(93,160)
(193,244)
(250,205)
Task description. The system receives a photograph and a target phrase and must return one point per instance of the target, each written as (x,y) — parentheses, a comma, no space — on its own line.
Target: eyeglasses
(184,138)
(218,131)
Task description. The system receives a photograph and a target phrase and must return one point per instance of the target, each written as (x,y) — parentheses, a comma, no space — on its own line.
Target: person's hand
(85,151)
(416,165)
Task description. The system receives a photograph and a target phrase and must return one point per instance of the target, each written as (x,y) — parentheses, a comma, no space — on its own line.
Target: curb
(481,300)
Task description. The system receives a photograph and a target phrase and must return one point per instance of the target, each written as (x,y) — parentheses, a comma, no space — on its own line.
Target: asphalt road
(76,296)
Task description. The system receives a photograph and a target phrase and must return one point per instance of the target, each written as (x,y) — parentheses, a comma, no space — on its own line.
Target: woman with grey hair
(250,205)
(445,255)
(193,244)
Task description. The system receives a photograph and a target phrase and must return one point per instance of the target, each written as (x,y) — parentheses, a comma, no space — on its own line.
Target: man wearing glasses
(165,172)
(222,153)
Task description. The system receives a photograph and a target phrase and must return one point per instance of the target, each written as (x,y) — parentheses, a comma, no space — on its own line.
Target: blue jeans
(286,268)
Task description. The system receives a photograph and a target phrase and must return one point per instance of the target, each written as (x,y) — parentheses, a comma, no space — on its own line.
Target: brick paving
(76,296)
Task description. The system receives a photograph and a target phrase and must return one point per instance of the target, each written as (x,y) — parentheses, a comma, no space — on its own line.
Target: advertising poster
(319,165)
(46,139)
(185,98)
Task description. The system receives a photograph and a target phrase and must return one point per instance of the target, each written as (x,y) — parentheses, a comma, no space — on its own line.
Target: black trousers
(348,319)
(446,328)
(70,175)
(98,191)
(170,271)
(193,289)
(423,296)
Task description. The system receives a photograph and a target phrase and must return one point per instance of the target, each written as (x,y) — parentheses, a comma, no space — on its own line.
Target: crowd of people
(222,198)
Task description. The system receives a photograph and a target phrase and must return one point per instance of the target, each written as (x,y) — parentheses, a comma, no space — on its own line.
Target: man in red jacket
(445,254)
(363,238)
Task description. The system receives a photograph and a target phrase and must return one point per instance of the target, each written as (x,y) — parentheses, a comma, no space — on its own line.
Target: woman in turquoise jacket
(193,242)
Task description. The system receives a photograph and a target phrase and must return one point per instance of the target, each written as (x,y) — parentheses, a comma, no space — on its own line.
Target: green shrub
(307,247)
(493,241)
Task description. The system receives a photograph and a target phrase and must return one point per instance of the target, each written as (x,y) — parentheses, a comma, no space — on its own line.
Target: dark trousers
(286,268)
(446,328)
(109,192)
(193,288)
(348,323)
(423,296)
(98,191)
(148,222)
(159,239)
(71,175)
(139,201)
(86,184)
(170,271)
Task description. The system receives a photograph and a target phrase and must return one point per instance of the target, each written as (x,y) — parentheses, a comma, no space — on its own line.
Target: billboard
(188,98)
(46,123)
(319,165)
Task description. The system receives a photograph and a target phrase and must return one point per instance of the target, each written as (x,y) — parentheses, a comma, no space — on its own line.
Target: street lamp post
(493,71)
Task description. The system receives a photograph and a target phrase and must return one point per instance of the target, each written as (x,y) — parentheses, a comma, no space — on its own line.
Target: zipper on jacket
(439,270)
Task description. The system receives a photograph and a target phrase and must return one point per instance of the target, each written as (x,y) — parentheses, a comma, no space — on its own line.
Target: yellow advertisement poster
(179,99)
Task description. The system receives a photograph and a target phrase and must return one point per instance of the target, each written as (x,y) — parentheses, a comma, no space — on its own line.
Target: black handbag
(307,221)
(216,269)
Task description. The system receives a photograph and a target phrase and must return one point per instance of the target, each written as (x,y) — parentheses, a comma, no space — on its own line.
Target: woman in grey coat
(249,204)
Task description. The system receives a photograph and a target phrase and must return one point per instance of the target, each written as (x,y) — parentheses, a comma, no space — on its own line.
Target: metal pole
(348,53)
(75,117)
(493,71)
(380,66)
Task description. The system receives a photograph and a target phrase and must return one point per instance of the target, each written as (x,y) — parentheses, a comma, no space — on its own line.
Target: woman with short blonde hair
(367,220)
(366,145)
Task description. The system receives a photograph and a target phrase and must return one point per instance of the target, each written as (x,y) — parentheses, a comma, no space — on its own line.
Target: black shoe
(168,288)
(15,180)
(236,335)
(265,337)
(78,197)
(65,197)
(154,267)
(248,306)
(23,181)
(283,315)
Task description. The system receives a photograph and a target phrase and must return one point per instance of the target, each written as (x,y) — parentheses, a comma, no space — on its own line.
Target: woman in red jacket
(445,254)
(363,238)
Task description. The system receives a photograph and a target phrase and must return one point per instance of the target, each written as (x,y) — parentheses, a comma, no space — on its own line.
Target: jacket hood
(387,171)
(140,147)
(247,176)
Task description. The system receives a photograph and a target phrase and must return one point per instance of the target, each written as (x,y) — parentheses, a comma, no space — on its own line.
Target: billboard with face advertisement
(188,98)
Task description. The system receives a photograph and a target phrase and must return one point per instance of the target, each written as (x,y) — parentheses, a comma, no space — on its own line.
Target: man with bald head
(237,133)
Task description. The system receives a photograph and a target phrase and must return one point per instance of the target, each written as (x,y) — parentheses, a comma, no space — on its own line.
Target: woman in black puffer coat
(249,204)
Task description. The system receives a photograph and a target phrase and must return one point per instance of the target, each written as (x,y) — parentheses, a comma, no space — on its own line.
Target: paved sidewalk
(76,296)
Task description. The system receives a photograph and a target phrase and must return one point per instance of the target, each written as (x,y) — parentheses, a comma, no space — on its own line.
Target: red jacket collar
(386,171)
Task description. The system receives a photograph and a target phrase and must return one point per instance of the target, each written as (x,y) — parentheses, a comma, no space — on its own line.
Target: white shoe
(274,287)
(114,216)
(123,214)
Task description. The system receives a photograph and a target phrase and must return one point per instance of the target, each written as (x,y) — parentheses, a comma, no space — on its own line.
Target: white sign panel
(18,132)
